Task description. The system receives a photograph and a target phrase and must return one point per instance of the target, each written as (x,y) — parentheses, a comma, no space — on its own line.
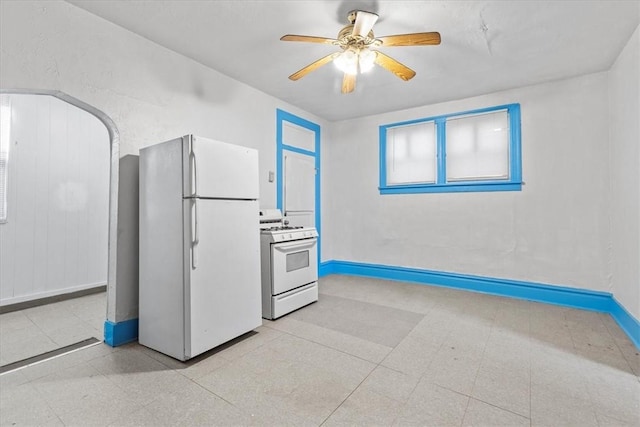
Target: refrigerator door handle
(194,169)
(196,239)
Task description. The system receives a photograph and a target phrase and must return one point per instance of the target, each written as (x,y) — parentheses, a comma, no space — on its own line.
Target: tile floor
(370,353)
(27,333)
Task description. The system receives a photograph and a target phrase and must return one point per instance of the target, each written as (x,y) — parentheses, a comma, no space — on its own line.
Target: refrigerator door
(223,296)
(214,169)
(160,260)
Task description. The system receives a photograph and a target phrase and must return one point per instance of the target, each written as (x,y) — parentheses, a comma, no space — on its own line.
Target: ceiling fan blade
(400,70)
(313,66)
(364,23)
(308,39)
(348,83)
(414,39)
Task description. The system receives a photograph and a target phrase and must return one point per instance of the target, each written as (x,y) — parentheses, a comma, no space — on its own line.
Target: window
(471,151)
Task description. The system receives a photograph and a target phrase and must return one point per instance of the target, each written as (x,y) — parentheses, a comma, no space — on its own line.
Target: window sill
(458,187)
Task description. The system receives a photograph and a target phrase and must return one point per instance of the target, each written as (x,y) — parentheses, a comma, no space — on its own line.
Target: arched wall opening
(114,160)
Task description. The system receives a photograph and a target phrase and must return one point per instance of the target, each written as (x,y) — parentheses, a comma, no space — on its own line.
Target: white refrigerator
(199,245)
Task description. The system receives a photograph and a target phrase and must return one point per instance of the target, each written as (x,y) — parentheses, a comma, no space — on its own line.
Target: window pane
(411,154)
(478,147)
(297,136)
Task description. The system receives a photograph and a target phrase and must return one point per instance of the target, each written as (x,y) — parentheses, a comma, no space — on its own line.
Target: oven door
(293,264)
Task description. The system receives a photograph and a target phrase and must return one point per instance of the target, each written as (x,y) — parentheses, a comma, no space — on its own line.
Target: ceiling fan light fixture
(347,62)
(358,44)
(366,59)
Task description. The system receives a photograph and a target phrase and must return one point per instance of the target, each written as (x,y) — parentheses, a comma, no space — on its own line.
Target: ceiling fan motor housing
(347,39)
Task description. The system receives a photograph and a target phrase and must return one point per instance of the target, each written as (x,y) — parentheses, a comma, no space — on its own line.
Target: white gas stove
(289,261)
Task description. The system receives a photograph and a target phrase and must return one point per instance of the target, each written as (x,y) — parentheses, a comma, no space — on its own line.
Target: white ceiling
(486,45)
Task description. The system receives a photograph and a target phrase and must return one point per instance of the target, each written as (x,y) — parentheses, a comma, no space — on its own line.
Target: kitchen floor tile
(454,369)
(238,348)
(366,408)
(13,321)
(389,383)
(559,372)
(140,377)
(614,393)
(402,296)
(349,344)
(69,360)
(506,389)
(23,405)
(482,414)
(24,343)
(431,404)
(371,322)
(81,395)
(413,355)
(301,378)
(550,407)
(374,352)
(36,330)
(192,405)
(605,420)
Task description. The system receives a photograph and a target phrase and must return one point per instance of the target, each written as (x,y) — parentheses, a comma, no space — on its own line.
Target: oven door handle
(292,246)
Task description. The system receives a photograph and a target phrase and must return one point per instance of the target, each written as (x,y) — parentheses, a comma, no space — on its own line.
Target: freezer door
(214,169)
(224,292)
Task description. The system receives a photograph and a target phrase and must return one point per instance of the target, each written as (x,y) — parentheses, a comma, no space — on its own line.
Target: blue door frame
(281,117)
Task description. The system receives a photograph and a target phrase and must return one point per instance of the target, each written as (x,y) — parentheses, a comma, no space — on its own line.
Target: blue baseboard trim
(629,324)
(539,292)
(325,268)
(116,334)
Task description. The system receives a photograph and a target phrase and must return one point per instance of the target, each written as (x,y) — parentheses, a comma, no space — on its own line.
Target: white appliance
(289,260)
(199,245)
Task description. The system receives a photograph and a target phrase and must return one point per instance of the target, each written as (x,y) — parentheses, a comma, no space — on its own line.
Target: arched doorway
(113,174)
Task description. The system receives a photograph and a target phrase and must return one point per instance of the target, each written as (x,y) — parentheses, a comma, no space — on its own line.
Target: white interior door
(299,193)
(225,292)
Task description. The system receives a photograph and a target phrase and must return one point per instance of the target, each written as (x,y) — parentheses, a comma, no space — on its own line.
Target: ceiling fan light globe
(347,62)
(366,67)
(366,60)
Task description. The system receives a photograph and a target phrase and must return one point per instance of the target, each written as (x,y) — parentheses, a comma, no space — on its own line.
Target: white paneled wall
(55,237)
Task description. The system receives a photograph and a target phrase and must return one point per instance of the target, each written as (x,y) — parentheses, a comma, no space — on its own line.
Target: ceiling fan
(356,41)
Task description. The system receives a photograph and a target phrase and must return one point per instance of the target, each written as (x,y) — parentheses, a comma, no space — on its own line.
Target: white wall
(624,164)
(151,93)
(55,237)
(554,231)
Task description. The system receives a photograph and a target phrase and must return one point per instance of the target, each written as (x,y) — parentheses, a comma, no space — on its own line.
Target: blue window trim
(283,116)
(514,183)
